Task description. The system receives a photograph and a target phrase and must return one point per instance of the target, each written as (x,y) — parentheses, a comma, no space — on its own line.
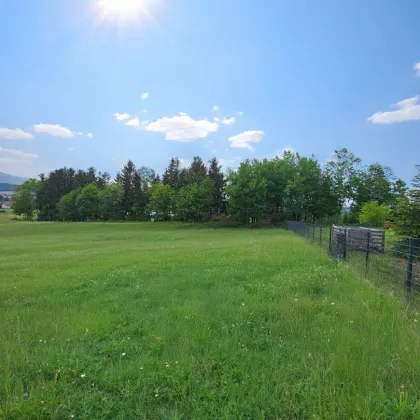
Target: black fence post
(345,245)
(409,274)
(367,252)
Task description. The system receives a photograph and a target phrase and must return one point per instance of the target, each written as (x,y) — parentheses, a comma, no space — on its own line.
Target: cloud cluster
(144,96)
(121,117)
(228,121)
(16,134)
(20,163)
(134,122)
(243,140)
(417,68)
(407,110)
(54,130)
(182,128)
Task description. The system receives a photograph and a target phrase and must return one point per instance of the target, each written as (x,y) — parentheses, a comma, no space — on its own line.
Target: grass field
(161,321)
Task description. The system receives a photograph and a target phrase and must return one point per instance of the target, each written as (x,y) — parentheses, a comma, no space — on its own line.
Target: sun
(124,9)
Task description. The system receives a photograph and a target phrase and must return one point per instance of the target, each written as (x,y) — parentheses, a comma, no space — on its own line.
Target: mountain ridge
(11,179)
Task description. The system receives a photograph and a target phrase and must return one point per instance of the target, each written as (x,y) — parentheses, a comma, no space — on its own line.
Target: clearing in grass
(168,321)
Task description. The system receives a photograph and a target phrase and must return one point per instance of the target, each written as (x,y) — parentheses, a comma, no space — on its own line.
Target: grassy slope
(213,324)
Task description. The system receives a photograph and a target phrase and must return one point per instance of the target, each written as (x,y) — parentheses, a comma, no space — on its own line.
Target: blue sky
(312,76)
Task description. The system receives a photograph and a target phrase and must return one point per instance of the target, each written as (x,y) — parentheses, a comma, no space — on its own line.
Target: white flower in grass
(332,303)
(83,375)
(123,354)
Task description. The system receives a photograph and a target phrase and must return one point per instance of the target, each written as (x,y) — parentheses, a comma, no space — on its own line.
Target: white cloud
(184,163)
(182,127)
(145,122)
(239,113)
(135,122)
(20,163)
(228,121)
(217,119)
(90,135)
(79,133)
(287,148)
(17,134)
(121,117)
(54,130)
(144,95)
(229,163)
(417,68)
(407,110)
(216,108)
(17,153)
(242,140)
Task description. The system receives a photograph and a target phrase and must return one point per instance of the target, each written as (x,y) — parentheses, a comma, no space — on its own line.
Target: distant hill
(10,179)
(5,187)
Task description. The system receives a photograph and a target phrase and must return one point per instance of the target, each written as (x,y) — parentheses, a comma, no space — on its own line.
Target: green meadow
(177,321)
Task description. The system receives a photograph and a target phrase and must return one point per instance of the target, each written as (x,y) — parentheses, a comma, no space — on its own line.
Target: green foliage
(24,200)
(374,214)
(407,217)
(161,201)
(194,201)
(247,192)
(67,208)
(259,191)
(87,202)
(110,201)
(149,321)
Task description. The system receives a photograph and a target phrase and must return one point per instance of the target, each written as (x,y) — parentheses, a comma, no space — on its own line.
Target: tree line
(286,187)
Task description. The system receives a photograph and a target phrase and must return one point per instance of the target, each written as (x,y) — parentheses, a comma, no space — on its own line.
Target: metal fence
(385,258)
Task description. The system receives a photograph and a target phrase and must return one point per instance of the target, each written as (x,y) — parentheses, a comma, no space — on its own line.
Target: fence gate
(338,242)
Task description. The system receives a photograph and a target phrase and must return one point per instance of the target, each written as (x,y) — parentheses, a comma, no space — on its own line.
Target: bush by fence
(385,258)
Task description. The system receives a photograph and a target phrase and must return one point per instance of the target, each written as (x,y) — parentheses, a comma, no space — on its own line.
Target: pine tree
(197,171)
(126,178)
(218,191)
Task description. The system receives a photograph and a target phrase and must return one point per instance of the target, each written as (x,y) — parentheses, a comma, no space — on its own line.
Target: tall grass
(149,321)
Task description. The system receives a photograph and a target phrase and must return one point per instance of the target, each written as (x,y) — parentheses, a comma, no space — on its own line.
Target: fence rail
(386,258)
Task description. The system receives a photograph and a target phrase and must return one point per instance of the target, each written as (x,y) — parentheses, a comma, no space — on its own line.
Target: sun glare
(124,9)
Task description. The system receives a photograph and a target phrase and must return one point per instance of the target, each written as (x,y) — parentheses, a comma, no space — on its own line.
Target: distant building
(7,204)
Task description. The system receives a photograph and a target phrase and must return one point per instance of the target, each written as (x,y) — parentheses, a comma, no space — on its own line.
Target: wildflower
(332,303)
(156,395)
(176,362)
(123,354)
(167,365)
(243,305)
(244,348)
(83,375)
(141,368)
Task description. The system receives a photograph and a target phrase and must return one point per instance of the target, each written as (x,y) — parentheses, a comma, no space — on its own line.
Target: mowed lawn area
(171,321)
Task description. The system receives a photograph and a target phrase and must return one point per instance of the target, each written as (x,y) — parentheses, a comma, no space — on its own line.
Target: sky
(97,82)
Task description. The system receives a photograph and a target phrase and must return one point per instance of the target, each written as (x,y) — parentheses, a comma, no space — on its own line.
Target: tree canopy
(286,187)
